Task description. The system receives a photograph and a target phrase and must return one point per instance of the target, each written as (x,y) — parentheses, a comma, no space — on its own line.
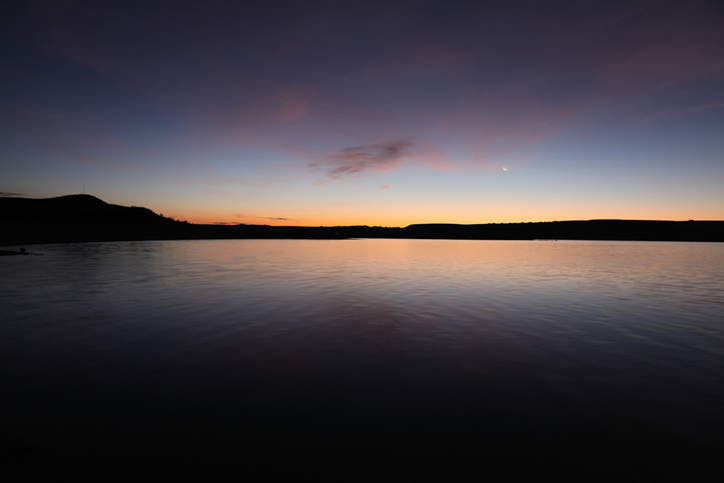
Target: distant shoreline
(85,218)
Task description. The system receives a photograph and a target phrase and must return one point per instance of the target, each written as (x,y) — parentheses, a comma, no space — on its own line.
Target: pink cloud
(435,57)
(663,65)
(268,120)
(431,157)
(485,131)
(293,102)
(283,105)
(665,43)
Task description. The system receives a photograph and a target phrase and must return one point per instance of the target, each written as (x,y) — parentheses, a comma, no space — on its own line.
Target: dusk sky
(378,113)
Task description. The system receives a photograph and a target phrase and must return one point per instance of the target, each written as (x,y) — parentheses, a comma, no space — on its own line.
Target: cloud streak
(356,160)
(83,158)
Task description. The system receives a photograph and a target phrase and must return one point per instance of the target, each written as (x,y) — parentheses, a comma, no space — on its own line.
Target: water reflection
(402,354)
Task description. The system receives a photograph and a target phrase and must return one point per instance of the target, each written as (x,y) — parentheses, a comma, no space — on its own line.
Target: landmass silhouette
(85,218)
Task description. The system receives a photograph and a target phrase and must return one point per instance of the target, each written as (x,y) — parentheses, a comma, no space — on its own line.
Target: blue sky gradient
(378,113)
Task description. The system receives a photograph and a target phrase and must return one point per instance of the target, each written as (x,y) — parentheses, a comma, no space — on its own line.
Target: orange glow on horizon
(409,213)
(400,220)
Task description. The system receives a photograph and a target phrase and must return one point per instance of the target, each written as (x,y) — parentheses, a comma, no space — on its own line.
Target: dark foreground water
(364,359)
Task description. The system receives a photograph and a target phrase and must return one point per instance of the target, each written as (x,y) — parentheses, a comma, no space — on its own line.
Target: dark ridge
(68,208)
(78,218)
(85,218)
(642,230)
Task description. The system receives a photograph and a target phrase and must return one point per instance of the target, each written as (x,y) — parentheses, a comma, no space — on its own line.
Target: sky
(380,113)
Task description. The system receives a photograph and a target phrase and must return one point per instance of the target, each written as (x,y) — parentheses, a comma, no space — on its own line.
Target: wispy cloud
(246,219)
(358,159)
(681,111)
(9,195)
(385,186)
(281,105)
(77,137)
(84,158)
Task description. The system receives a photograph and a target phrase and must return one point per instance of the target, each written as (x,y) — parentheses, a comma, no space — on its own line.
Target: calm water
(377,358)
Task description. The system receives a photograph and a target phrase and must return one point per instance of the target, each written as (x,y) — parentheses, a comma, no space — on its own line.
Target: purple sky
(379,113)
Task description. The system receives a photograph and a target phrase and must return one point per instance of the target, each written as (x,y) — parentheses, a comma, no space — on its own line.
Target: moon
(505,169)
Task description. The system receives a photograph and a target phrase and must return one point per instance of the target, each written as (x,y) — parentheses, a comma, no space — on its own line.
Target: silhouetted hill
(83,218)
(77,218)
(71,208)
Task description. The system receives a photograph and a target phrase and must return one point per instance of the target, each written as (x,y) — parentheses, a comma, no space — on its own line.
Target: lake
(365,359)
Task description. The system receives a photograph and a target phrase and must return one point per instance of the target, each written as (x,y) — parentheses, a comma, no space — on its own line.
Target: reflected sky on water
(367,345)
